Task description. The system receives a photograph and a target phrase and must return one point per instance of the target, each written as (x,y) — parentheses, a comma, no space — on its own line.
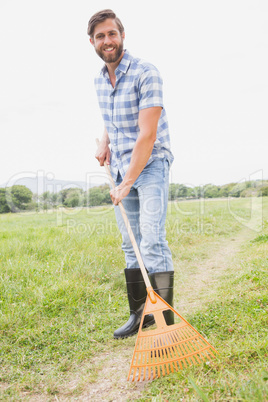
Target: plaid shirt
(138,86)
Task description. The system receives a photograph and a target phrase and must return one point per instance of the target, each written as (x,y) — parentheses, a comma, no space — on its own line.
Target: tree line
(19,198)
(244,189)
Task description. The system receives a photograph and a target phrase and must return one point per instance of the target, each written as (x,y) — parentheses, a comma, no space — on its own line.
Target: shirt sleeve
(150,89)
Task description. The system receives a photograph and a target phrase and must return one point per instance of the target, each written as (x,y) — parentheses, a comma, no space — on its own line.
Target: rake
(166,348)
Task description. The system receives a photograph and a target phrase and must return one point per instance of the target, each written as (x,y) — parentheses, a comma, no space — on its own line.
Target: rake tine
(163,369)
(134,374)
(142,351)
(159,356)
(146,358)
(186,334)
(167,368)
(176,336)
(191,350)
(178,354)
(155,356)
(201,354)
(169,348)
(210,351)
(165,347)
(170,356)
(176,366)
(181,350)
(180,364)
(207,355)
(190,359)
(174,354)
(159,345)
(139,375)
(152,357)
(197,358)
(183,334)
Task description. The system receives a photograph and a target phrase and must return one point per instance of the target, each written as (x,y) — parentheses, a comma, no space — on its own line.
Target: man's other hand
(118,193)
(103,153)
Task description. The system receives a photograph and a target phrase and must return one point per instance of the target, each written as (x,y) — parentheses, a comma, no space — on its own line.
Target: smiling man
(136,145)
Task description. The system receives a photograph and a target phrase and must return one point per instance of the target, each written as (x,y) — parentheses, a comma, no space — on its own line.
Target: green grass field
(62,294)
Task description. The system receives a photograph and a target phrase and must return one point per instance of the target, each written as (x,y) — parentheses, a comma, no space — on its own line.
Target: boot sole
(148,324)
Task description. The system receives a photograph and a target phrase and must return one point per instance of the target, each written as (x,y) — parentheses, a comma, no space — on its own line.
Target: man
(136,145)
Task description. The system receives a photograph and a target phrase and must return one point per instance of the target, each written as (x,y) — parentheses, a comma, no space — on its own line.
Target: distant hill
(40,184)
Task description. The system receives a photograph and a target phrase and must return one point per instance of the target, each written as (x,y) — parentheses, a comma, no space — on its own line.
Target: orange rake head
(167,348)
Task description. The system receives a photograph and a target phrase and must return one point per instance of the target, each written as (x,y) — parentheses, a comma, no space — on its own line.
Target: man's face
(107,41)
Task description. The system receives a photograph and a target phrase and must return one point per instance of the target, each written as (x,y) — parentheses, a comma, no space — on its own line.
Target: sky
(212,56)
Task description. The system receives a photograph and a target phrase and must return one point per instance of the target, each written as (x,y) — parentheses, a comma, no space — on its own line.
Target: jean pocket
(166,167)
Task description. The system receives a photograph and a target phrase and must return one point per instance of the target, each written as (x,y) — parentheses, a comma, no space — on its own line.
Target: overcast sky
(213,58)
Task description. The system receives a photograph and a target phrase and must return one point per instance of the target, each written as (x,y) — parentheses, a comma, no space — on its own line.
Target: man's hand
(103,153)
(118,193)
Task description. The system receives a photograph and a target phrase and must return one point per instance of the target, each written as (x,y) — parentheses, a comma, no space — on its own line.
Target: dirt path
(196,289)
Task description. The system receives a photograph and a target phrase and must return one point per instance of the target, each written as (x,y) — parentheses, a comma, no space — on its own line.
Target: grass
(62,294)
(236,323)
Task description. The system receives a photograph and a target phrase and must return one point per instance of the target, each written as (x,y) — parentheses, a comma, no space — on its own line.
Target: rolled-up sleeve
(150,89)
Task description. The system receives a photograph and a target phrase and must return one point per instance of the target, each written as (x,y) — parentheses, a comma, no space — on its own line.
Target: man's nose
(107,40)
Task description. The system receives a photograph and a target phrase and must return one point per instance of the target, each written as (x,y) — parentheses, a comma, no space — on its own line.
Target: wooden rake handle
(132,238)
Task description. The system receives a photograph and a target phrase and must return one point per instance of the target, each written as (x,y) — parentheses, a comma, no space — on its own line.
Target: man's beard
(111,58)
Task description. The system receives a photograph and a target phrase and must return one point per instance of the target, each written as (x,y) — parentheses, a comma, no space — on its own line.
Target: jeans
(146,208)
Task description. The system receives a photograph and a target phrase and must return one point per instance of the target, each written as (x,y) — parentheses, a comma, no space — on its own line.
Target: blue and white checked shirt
(138,86)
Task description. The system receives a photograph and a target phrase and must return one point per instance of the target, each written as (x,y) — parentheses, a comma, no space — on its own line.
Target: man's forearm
(139,158)
(105,138)
(148,121)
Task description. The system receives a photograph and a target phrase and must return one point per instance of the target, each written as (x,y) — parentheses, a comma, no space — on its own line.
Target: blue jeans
(146,208)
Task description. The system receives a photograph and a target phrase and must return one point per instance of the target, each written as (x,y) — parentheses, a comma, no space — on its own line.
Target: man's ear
(123,35)
(91,41)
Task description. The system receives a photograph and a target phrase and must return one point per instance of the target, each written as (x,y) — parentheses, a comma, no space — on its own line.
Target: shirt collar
(123,65)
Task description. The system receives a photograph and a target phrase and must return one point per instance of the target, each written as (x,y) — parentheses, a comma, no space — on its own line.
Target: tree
(74,198)
(95,197)
(198,191)
(45,198)
(264,191)
(181,191)
(172,191)
(18,198)
(191,192)
(237,190)
(211,191)
(106,194)
(62,195)
(226,189)
(99,195)
(4,207)
(54,199)
(178,191)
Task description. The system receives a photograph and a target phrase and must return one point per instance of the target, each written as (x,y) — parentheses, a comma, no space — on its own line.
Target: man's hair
(101,16)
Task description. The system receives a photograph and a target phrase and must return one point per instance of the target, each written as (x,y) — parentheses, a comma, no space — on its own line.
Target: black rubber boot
(136,291)
(162,283)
